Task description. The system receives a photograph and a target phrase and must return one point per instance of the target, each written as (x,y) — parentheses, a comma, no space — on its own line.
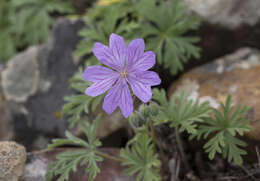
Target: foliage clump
(219,127)
(140,159)
(180,111)
(132,21)
(163,31)
(26,22)
(223,129)
(87,156)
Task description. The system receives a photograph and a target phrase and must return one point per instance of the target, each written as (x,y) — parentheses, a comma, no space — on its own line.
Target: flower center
(124,74)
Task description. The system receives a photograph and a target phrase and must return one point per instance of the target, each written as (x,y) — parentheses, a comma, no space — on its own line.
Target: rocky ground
(33,84)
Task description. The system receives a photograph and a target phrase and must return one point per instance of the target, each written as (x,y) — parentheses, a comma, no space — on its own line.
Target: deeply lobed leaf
(224,126)
(69,161)
(141,159)
(180,111)
(164,32)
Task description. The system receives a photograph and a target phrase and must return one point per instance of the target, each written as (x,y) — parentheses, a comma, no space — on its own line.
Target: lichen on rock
(12,161)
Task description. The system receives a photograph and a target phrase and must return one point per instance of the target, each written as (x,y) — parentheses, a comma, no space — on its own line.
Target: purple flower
(129,66)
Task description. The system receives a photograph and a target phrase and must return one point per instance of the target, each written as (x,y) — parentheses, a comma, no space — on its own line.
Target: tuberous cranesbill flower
(128,67)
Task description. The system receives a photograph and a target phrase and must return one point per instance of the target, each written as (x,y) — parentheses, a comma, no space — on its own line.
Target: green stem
(152,131)
(107,156)
(153,136)
(180,148)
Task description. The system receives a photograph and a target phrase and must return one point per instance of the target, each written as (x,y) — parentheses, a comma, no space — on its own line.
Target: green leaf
(7,36)
(20,22)
(180,111)
(224,126)
(164,32)
(233,151)
(90,131)
(141,159)
(69,161)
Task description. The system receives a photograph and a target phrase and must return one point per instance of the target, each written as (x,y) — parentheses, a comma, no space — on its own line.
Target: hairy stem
(107,156)
(152,131)
(153,135)
(180,148)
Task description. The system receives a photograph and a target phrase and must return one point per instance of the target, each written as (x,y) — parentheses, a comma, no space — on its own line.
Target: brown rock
(237,74)
(12,161)
(36,167)
(110,123)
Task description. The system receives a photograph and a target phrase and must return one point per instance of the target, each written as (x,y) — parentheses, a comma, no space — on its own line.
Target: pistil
(124,73)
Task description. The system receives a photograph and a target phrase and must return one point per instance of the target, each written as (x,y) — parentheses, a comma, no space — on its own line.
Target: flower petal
(145,62)
(105,56)
(119,95)
(118,48)
(112,98)
(100,87)
(126,102)
(141,82)
(98,73)
(142,91)
(148,78)
(134,51)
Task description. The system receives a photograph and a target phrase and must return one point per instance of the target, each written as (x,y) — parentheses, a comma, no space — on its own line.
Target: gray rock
(56,68)
(21,77)
(36,167)
(35,83)
(12,161)
(229,13)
